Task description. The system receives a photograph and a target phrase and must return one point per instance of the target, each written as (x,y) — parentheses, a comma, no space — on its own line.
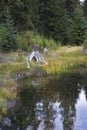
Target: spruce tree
(8,41)
(70,5)
(78,27)
(54,19)
(59,21)
(85,8)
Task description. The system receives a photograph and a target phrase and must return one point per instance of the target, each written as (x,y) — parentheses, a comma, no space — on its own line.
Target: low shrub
(28,38)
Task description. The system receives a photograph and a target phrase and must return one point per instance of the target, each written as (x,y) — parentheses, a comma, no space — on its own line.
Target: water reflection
(60,105)
(81,112)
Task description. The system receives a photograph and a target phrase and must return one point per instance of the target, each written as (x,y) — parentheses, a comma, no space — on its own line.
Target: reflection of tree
(40,107)
(23,113)
(85,88)
(68,94)
(37,109)
(66,87)
(84,84)
(43,115)
(46,113)
(26,114)
(66,91)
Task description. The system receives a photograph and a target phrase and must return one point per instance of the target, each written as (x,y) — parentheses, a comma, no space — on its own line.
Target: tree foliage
(85,8)
(70,5)
(61,20)
(8,34)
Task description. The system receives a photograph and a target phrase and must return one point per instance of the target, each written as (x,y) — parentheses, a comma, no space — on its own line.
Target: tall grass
(64,60)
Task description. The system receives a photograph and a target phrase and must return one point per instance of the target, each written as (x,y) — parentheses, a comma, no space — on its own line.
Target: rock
(10,104)
(7,122)
(29,127)
(20,75)
(84,50)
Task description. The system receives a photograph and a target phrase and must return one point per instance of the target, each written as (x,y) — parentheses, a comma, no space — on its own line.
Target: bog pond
(58,103)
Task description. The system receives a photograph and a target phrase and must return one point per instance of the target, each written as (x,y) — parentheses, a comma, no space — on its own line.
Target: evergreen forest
(24,22)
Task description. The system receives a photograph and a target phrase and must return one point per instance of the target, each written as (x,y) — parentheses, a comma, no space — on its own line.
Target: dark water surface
(60,105)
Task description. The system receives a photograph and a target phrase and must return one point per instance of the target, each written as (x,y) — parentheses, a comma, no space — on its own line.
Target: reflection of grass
(7,91)
(2,106)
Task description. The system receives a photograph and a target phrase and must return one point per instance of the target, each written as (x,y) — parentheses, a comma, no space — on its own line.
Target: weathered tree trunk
(35,54)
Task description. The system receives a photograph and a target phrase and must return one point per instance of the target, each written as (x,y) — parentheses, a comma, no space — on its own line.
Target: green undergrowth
(27,39)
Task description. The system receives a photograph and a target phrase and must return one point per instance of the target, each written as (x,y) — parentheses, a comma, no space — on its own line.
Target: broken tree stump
(35,54)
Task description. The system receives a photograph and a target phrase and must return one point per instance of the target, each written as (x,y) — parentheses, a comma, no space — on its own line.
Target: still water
(61,104)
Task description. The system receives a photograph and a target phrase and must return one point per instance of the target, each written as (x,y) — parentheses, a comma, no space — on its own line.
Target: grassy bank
(61,60)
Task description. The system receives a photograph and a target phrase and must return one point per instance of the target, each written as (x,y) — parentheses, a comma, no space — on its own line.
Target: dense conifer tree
(71,5)
(78,27)
(52,18)
(8,34)
(85,8)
